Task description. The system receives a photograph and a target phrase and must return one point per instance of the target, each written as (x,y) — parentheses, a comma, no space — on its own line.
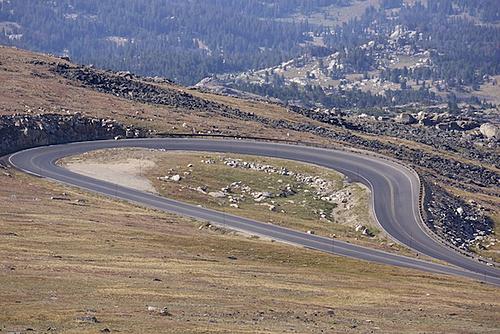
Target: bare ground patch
(128,173)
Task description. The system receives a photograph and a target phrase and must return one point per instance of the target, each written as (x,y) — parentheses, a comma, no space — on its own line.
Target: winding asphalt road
(395,191)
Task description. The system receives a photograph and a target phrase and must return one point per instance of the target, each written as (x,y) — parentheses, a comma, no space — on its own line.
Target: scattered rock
(89,319)
(175,178)
(164,312)
(55,198)
(161,311)
(364,230)
(217,194)
(405,118)
(202,190)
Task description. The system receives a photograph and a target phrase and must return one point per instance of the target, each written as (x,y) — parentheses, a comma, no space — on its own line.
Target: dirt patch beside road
(128,173)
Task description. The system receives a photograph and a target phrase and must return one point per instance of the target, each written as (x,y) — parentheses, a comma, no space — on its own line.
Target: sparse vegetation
(85,263)
(88,263)
(210,179)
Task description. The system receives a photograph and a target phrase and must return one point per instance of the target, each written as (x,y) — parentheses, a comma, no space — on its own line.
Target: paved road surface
(395,191)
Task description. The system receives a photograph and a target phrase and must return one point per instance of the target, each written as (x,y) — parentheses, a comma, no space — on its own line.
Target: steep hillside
(449,162)
(74,262)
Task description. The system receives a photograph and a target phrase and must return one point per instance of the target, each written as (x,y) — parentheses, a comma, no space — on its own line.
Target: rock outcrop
(490,131)
(405,118)
(18,132)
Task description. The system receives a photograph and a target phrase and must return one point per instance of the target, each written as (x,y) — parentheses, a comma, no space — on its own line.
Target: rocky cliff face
(18,132)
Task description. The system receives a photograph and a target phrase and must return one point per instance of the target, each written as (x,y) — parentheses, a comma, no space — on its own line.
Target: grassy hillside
(32,85)
(67,260)
(74,262)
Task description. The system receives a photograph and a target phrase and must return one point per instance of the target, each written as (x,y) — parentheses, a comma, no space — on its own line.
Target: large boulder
(405,118)
(467,125)
(490,131)
(217,194)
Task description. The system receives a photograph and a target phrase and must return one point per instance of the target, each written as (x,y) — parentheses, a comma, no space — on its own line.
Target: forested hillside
(398,53)
(393,53)
(182,40)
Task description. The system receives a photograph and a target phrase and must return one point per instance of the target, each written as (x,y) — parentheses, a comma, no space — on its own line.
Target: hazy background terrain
(331,53)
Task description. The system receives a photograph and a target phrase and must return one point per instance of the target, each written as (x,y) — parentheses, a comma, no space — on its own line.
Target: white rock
(202,190)
(490,131)
(359,228)
(175,178)
(217,194)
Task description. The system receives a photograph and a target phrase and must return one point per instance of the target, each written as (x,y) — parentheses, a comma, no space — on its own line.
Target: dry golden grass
(89,255)
(61,260)
(34,88)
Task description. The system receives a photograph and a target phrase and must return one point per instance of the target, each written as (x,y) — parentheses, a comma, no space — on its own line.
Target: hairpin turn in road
(395,193)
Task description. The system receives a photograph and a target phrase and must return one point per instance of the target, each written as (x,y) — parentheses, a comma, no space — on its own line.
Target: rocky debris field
(323,189)
(464,224)
(24,131)
(289,187)
(126,85)
(460,135)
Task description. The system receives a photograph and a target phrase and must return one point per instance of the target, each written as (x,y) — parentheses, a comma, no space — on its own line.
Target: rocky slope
(18,132)
(155,104)
(127,86)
